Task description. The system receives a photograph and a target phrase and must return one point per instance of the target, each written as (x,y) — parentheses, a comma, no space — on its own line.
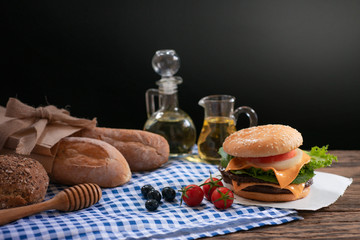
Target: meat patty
(244,178)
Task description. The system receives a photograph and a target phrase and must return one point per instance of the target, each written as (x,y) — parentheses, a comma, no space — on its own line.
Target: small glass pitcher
(220,122)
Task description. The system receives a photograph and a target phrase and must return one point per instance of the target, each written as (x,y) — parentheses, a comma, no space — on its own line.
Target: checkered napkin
(121,213)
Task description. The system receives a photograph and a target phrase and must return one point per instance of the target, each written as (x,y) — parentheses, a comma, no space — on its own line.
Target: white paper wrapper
(325,190)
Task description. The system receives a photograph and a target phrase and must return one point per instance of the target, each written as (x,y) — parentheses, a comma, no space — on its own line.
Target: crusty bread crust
(268,197)
(262,141)
(142,150)
(85,160)
(23,181)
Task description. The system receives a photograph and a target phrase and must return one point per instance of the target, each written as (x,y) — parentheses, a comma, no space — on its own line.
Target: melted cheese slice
(296,189)
(284,176)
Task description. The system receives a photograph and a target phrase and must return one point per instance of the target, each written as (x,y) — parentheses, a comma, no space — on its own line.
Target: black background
(294,62)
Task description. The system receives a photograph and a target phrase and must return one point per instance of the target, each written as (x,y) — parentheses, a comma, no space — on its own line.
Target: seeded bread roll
(85,160)
(262,141)
(23,181)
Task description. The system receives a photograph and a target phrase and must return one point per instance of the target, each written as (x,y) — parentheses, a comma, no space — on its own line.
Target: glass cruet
(169,120)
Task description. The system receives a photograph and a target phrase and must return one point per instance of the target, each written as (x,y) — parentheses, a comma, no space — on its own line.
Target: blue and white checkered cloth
(121,213)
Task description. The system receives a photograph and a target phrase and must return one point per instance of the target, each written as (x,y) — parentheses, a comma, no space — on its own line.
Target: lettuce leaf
(319,158)
(225,158)
(268,176)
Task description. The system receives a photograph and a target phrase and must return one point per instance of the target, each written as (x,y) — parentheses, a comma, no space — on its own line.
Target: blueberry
(168,194)
(154,194)
(146,189)
(151,204)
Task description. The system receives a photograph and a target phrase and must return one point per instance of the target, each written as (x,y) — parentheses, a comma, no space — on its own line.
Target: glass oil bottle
(169,120)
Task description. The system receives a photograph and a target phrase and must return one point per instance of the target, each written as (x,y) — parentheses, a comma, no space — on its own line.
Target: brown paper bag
(37,131)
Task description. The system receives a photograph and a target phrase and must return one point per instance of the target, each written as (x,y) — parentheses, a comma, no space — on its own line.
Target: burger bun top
(262,141)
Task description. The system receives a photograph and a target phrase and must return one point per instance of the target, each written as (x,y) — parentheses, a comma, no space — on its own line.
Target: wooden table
(339,220)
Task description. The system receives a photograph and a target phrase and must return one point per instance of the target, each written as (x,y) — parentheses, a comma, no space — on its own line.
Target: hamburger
(265,163)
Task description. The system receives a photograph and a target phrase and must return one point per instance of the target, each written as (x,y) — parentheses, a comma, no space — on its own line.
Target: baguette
(142,150)
(85,160)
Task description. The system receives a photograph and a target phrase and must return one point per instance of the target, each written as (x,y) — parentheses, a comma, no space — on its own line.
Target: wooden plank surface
(340,220)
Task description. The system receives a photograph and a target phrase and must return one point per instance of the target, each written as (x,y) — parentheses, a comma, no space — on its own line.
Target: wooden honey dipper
(71,199)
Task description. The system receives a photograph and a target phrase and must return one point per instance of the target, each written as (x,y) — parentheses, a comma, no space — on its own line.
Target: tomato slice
(271,159)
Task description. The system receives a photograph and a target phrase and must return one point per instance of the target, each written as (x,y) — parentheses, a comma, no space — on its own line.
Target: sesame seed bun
(262,141)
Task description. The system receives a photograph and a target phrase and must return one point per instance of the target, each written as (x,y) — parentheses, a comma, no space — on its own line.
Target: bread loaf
(85,160)
(23,181)
(142,150)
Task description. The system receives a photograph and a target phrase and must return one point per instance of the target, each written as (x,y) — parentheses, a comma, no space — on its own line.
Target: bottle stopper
(166,63)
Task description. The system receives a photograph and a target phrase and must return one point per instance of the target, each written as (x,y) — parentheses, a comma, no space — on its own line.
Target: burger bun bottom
(268,197)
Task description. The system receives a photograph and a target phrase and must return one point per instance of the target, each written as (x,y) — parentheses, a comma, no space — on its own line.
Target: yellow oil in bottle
(212,136)
(177,128)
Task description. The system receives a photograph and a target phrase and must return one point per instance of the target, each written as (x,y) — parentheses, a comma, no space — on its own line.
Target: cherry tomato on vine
(210,185)
(222,198)
(192,195)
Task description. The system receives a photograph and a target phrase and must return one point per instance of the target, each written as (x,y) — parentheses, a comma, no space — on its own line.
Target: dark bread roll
(23,181)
